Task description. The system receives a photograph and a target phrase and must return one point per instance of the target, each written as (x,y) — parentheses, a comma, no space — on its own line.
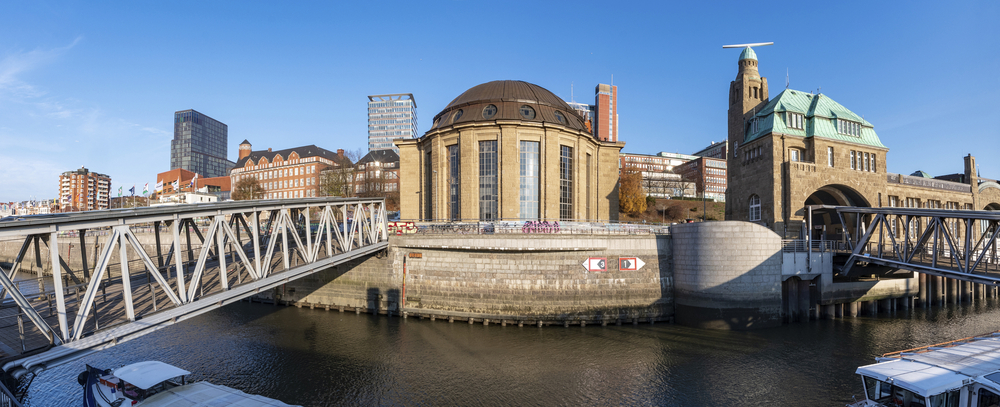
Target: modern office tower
(391,117)
(606,114)
(82,190)
(199,144)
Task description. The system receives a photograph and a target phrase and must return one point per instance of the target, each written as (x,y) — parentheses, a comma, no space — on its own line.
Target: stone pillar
(793,299)
(838,310)
(952,286)
(885,305)
(804,301)
(829,311)
(852,309)
(941,290)
(922,278)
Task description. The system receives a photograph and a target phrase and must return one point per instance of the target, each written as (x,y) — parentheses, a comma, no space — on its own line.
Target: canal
(327,358)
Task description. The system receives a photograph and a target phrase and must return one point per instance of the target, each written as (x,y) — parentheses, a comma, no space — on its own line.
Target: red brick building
(289,173)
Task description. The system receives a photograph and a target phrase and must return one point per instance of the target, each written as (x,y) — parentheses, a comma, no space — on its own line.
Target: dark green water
(321,358)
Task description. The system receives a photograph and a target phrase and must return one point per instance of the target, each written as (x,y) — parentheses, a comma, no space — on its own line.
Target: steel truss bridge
(239,249)
(957,244)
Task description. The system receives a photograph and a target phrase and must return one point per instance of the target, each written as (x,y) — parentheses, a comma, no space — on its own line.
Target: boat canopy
(939,369)
(147,374)
(205,394)
(916,377)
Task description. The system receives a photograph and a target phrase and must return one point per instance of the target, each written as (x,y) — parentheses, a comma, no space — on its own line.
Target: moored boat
(964,372)
(152,383)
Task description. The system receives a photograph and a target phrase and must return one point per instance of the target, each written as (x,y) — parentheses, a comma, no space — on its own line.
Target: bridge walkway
(75,310)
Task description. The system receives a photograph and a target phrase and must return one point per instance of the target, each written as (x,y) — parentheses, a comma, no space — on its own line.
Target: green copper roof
(748,54)
(821,114)
(921,174)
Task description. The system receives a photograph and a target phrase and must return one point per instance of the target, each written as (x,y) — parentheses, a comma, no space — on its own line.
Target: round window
(435,123)
(489,111)
(560,117)
(527,112)
(457,116)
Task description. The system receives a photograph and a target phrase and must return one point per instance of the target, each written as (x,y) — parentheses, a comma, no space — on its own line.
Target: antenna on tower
(786,78)
(756,44)
(571,99)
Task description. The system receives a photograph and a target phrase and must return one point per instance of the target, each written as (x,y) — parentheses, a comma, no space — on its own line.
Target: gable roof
(820,113)
(303,152)
(382,156)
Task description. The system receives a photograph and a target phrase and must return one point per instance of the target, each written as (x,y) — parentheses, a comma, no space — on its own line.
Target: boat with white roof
(964,372)
(153,383)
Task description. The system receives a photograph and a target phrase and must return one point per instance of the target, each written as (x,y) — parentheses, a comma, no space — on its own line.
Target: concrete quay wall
(504,279)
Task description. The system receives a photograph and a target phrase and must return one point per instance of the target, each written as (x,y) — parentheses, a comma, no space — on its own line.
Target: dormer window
(795,120)
(754,125)
(848,128)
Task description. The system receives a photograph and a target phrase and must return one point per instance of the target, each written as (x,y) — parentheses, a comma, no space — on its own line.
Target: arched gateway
(826,225)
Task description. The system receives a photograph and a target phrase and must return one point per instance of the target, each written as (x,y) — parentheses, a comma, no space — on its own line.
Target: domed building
(508,150)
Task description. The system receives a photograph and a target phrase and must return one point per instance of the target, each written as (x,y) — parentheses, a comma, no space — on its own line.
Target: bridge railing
(75,301)
(960,244)
(442,227)
(801,245)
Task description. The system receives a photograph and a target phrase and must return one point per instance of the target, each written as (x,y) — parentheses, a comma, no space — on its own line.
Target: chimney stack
(340,153)
(269,149)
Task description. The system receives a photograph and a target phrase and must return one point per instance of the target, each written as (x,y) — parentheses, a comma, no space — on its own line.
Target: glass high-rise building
(199,144)
(391,117)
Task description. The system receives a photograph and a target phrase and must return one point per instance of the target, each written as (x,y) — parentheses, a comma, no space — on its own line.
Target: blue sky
(95,84)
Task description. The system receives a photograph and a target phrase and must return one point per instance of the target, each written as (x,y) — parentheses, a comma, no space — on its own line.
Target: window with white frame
(795,155)
(829,156)
(754,208)
(848,128)
(852,159)
(867,166)
(794,120)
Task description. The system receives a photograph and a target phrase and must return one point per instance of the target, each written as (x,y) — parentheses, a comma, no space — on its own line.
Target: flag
(193,180)
(132,190)
(145,189)
(119,192)
(159,186)
(174,185)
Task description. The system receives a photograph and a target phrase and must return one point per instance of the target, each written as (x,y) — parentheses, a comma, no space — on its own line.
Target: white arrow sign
(630,263)
(596,264)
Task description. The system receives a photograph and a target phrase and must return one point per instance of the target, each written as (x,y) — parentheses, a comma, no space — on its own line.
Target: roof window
(489,111)
(560,117)
(527,112)
(848,128)
(794,120)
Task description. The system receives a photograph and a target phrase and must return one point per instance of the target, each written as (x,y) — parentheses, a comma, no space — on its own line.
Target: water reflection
(321,358)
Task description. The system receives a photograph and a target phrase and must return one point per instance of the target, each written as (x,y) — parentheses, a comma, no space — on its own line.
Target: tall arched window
(754,208)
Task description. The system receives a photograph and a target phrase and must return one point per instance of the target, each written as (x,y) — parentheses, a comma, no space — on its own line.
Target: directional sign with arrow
(630,263)
(596,264)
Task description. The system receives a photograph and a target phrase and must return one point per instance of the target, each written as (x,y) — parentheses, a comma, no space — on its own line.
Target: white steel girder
(346,228)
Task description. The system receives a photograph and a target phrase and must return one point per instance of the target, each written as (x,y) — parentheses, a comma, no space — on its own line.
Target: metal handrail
(799,245)
(407,227)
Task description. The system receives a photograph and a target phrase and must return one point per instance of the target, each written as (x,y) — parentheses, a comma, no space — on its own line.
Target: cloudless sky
(96,84)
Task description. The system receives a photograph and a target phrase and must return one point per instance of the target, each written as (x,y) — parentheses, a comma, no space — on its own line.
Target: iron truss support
(957,244)
(216,254)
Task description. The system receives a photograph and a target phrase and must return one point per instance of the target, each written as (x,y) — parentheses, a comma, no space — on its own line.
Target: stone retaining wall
(519,278)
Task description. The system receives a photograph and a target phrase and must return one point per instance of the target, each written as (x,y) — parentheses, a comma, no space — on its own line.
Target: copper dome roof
(507,99)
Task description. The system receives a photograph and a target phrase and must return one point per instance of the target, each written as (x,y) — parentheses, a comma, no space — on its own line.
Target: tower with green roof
(747,94)
(794,150)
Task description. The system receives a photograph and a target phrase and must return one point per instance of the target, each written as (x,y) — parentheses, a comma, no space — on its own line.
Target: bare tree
(247,188)
(339,180)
